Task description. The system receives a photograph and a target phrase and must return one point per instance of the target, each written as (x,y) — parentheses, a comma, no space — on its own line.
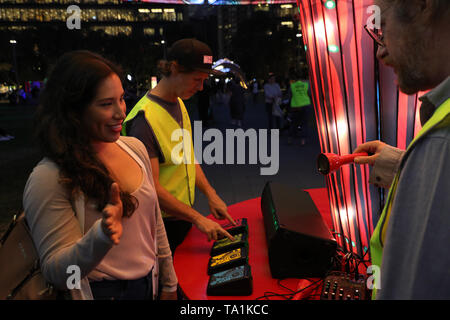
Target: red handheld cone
(328,162)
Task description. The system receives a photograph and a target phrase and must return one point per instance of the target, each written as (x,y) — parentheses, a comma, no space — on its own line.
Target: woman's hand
(373,148)
(112,215)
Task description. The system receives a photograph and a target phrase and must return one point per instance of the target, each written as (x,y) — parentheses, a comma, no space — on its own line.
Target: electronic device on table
(223,245)
(227,260)
(240,227)
(228,268)
(343,286)
(236,281)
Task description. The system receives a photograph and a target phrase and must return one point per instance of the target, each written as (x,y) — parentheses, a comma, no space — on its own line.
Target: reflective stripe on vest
(440,118)
(177,172)
(300,96)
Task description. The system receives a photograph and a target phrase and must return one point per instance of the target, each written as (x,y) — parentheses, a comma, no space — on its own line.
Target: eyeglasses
(376,34)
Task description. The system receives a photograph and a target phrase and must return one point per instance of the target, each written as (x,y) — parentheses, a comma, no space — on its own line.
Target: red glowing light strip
(312,78)
(351,67)
(337,72)
(330,76)
(336,114)
(366,64)
(326,99)
(336,85)
(417,124)
(322,125)
(337,221)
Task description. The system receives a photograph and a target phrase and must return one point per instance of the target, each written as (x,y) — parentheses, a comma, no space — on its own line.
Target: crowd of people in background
(231,92)
(228,90)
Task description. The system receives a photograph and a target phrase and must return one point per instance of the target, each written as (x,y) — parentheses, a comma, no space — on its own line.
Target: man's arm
(180,210)
(385,160)
(415,262)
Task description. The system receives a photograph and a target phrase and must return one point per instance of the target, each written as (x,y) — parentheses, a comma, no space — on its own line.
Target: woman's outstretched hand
(112,215)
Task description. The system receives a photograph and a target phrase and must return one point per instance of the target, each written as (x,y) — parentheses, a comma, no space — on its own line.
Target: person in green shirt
(300,106)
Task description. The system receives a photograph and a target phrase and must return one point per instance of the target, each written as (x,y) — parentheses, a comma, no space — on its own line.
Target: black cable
(349,261)
(279,283)
(342,260)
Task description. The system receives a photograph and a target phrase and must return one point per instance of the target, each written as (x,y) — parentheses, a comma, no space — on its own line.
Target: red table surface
(192,256)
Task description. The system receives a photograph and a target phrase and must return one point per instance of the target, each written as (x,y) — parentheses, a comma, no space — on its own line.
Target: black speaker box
(300,245)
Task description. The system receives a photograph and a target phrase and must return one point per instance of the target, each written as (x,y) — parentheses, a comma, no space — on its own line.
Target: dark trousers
(271,118)
(139,289)
(300,117)
(176,231)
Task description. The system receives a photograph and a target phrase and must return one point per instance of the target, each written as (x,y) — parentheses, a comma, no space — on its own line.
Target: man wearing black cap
(161,122)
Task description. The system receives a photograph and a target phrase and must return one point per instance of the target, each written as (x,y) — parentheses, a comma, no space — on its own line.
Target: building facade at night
(40,30)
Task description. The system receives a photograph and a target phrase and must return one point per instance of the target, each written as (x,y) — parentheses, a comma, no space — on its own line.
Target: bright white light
(320,30)
(224,60)
(330,4)
(154,81)
(298,35)
(333,48)
(143,10)
(129,77)
(13,41)
(162,41)
(342,127)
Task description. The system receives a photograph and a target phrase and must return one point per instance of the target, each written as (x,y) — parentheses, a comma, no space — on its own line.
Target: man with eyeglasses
(412,236)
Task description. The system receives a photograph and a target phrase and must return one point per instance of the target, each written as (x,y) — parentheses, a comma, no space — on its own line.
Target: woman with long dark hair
(91,202)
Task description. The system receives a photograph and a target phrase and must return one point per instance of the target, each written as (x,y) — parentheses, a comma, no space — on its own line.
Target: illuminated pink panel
(417,124)
(401,124)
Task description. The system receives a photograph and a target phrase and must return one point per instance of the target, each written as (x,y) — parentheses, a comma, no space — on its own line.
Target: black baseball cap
(194,55)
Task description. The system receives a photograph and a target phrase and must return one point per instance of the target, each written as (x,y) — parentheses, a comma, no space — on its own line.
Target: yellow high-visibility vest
(177,172)
(440,119)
